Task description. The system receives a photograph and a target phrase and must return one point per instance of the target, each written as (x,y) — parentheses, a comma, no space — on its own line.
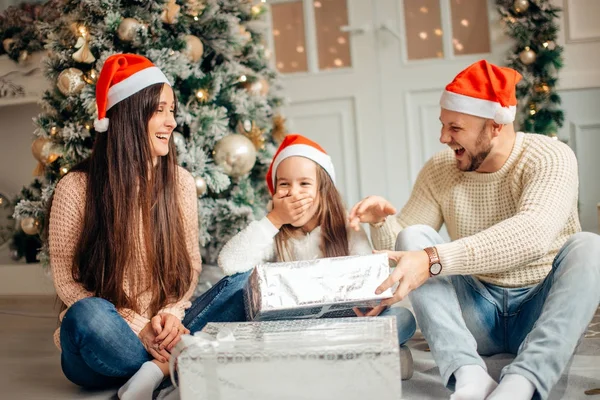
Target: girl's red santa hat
(123,75)
(484,90)
(299,146)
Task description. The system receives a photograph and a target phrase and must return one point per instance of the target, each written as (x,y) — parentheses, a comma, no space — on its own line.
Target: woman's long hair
(132,208)
(331,216)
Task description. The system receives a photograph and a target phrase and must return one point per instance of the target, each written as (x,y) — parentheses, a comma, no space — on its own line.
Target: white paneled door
(364,79)
(332,86)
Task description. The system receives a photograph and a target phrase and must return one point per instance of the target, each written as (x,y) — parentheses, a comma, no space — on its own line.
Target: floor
(30,363)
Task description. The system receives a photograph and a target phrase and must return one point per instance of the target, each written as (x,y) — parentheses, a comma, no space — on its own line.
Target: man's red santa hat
(484,90)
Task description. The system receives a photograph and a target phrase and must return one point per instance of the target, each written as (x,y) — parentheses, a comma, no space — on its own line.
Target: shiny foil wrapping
(323,288)
(324,359)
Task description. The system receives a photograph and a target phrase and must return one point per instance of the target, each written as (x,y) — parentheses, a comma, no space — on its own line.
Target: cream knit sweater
(506,227)
(66,219)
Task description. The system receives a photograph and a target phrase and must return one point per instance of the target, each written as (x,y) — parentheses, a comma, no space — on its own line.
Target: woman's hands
(161,334)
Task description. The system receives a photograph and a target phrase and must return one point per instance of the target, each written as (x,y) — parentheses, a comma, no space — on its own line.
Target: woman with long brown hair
(123,238)
(307,221)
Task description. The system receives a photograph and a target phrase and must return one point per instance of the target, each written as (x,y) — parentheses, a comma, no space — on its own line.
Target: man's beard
(483,146)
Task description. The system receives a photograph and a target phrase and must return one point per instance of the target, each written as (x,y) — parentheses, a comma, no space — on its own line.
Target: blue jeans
(100,350)
(224,303)
(462,317)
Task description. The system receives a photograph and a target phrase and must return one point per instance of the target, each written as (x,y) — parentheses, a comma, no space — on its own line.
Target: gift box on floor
(323,288)
(324,359)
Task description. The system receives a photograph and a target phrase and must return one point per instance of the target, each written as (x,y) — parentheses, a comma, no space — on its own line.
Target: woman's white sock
(141,385)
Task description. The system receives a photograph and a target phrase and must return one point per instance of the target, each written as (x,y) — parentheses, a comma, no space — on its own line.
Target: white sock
(472,383)
(141,385)
(513,387)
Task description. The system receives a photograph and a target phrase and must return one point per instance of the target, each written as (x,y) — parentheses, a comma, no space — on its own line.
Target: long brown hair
(331,216)
(125,192)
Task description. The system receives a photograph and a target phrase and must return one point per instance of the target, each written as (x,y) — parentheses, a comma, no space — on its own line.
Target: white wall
(16,132)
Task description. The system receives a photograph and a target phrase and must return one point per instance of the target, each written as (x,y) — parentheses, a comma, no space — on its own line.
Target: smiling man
(518,275)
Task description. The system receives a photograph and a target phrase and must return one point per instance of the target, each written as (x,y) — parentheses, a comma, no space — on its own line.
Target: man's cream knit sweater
(505,227)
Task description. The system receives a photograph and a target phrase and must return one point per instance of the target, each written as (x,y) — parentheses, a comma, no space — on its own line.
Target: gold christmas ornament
(527,56)
(200,186)
(235,154)
(63,171)
(520,6)
(91,76)
(53,131)
(70,81)
(542,88)
(8,44)
(252,132)
(83,55)
(193,48)
(45,151)
(279,131)
(257,88)
(171,12)
(30,225)
(128,29)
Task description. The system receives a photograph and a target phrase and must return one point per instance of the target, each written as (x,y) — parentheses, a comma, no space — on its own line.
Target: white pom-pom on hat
(504,115)
(101,125)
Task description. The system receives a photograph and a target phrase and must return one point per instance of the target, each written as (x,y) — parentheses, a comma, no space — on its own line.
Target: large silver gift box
(324,359)
(323,288)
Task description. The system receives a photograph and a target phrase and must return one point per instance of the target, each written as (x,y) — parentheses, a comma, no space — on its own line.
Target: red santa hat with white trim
(123,75)
(484,90)
(299,146)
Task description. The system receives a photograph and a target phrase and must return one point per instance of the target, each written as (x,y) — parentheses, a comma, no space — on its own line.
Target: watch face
(435,269)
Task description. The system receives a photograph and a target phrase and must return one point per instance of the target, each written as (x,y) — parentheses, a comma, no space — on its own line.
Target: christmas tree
(533,24)
(214,54)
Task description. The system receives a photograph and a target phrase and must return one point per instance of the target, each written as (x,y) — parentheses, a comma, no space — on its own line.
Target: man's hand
(412,270)
(371,210)
(288,208)
(168,330)
(373,312)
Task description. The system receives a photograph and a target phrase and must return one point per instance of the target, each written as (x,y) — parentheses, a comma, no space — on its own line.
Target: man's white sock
(141,385)
(472,383)
(513,387)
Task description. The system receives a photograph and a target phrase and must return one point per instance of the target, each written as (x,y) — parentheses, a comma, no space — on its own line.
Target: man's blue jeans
(462,317)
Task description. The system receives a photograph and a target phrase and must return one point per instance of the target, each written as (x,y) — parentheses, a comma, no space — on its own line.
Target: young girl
(307,221)
(123,238)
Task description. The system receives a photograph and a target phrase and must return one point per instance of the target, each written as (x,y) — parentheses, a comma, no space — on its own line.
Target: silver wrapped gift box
(323,288)
(324,359)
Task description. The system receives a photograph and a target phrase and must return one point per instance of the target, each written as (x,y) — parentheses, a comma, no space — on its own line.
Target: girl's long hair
(331,218)
(132,208)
